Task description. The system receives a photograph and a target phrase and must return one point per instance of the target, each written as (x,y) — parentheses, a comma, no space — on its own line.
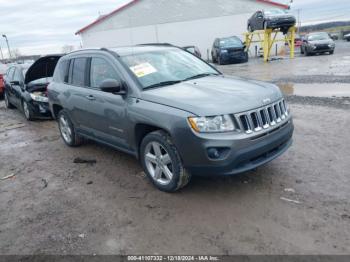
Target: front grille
(322,47)
(262,118)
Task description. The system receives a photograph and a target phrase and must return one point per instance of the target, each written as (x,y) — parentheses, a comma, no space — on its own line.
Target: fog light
(213,153)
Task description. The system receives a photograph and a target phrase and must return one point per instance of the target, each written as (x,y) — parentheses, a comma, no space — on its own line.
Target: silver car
(174,112)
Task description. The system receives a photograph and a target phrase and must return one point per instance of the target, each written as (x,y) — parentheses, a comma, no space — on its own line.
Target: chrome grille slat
(262,118)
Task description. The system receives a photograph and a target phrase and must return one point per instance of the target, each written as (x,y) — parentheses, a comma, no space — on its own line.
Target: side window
(9,74)
(61,72)
(100,71)
(17,75)
(77,76)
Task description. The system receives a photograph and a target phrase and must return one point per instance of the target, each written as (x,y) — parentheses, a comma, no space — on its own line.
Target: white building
(179,22)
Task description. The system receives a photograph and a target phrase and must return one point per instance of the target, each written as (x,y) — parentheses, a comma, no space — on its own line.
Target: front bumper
(233,57)
(280,23)
(241,152)
(40,109)
(320,49)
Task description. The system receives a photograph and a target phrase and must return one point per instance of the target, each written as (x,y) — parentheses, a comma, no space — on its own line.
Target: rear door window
(101,70)
(17,76)
(9,74)
(61,72)
(77,76)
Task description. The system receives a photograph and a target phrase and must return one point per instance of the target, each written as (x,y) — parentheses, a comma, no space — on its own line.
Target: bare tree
(15,53)
(67,49)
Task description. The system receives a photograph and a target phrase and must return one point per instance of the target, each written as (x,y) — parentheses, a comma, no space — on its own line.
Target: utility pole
(8,46)
(299,21)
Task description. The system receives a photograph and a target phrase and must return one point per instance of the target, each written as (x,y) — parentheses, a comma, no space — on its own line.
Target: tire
(213,59)
(157,152)
(28,114)
(331,52)
(306,53)
(7,101)
(250,28)
(219,60)
(265,25)
(67,130)
(301,50)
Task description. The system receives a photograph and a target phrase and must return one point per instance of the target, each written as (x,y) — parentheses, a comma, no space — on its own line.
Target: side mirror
(112,86)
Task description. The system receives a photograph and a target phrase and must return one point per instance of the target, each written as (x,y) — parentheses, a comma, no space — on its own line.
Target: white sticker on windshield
(143,69)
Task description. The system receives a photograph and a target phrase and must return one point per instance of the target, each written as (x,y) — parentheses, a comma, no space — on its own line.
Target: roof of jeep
(129,50)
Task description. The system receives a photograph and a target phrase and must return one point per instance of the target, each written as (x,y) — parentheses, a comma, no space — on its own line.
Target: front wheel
(331,52)
(27,111)
(250,28)
(162,163)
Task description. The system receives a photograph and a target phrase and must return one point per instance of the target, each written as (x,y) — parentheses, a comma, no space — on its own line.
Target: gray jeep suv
(177,114)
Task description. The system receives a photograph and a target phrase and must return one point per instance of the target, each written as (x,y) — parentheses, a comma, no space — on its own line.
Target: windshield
(274,12)
(166,66)
(230,42)
(315,37)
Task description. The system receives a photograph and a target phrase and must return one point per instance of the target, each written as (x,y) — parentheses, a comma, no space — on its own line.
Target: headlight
(39,97)
(212,124)
(331,45)
(224,51)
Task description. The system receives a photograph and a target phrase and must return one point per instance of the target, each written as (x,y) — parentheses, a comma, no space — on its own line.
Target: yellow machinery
(268,37)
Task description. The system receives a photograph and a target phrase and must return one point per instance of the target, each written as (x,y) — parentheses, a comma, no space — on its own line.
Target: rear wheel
(27,111)
(7,101)
(162,163)
(67,130)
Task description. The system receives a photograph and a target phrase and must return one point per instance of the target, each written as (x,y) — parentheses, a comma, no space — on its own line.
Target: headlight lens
(212,124)
(39,97)
(223,51)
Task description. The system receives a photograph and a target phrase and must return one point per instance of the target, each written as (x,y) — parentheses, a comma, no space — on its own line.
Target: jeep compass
(174,112)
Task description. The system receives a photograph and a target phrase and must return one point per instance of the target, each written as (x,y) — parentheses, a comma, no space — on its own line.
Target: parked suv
(229,50)
(317,43)
(176,113)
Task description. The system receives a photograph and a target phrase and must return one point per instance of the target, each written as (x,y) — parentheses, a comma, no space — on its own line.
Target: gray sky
(44,26)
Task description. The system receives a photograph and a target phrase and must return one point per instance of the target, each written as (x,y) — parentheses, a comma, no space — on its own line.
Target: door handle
(90,97)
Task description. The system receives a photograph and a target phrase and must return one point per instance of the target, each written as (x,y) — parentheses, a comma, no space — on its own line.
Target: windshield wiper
(200,76)
(164,83)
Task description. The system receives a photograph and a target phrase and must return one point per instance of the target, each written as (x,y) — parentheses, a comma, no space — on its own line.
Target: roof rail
(155,44)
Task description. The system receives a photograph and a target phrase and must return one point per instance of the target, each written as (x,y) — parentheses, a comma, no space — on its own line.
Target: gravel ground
(297,204)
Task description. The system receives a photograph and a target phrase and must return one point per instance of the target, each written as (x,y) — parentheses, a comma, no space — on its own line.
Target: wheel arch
(55,110)
(141,130)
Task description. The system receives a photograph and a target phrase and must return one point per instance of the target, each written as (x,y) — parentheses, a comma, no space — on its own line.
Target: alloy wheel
(158,163)
(26,110)
(65,129)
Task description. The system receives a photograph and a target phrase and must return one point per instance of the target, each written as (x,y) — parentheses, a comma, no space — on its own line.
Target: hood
(282,16)
(214,95)
(320,42)
(43,67)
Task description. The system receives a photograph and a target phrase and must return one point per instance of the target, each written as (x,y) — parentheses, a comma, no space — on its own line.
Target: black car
(26,86)
(271,19)
(317,43)
(229,50)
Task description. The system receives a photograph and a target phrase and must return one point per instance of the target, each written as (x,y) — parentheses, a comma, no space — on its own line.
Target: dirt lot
(297,204)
